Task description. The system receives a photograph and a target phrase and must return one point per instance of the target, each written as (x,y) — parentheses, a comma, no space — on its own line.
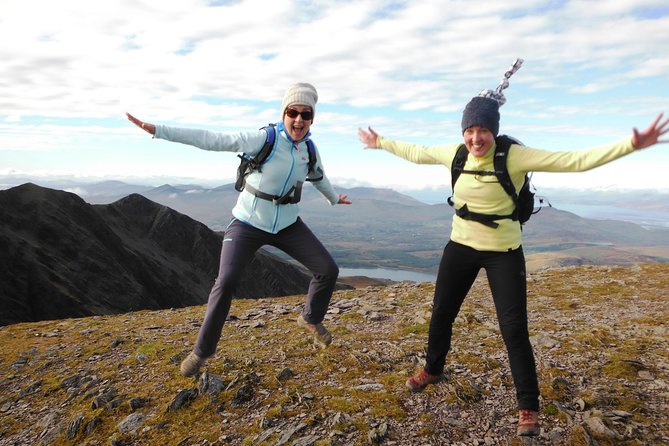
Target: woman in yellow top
(498,250)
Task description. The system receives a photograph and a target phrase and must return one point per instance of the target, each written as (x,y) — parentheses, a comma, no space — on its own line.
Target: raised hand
(343,199)
(369,138)
(149,128)
(652,134)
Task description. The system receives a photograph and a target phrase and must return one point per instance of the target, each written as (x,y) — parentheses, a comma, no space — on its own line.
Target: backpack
(523,201)
(249,164)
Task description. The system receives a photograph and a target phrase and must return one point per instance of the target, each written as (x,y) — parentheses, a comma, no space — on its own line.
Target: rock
(379,434)
(259,323)
(453,422)
(105,397)
(34,387)
(89,426)
(289,432)
(210,385)
(131,423)
(285,374)
(137,403)
(51,427)
(244,394)
(369,387)
(544,341)
(309,440)
(70,382)
(646,375)
(599,429)
(183,399)
(73,426)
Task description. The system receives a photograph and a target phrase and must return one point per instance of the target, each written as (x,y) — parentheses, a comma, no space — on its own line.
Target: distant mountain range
(62,257)
(386,229)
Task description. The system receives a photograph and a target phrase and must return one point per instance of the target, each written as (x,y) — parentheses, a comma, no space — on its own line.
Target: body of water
(642,217)
(384,273)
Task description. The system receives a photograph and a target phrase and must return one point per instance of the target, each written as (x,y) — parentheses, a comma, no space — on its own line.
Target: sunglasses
(307,115)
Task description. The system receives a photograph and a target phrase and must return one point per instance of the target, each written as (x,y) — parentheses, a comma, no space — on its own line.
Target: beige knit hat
(300,94)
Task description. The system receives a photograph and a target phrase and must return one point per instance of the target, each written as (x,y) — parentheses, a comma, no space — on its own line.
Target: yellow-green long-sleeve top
(486,196)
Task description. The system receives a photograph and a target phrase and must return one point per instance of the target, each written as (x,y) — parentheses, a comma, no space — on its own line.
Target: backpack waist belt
(276,199)
(484,219)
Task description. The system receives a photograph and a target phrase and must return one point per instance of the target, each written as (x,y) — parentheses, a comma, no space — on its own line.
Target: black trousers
(458,269)
(241,241)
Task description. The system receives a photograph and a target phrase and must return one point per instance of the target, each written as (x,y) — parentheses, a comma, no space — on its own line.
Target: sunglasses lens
(306,115)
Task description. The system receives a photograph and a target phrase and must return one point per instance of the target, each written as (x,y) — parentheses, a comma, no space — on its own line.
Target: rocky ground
(600,336)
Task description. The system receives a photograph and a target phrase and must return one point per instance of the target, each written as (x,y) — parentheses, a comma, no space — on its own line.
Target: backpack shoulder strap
(267,148)
(503,144)
(457,166)
(458,163)
(248,163)
(311,149)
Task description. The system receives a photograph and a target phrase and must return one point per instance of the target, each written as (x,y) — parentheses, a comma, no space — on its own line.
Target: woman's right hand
(369,138)
(149,128)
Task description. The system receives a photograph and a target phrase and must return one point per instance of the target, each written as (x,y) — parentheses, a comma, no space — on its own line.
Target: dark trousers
(240,243)
(506,276)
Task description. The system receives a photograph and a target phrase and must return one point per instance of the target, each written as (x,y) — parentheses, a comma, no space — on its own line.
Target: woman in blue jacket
(266,213)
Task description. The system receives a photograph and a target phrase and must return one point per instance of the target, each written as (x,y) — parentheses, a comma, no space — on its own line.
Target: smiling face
(297,127)
(478,140)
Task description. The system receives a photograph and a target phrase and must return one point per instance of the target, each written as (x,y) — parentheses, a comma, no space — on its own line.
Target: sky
(593,70)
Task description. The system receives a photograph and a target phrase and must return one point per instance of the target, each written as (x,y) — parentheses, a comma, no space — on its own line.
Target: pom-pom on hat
(483,109)
(300,94)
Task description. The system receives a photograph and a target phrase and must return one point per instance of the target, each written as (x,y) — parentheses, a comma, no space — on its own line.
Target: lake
(397,275)
(643,217)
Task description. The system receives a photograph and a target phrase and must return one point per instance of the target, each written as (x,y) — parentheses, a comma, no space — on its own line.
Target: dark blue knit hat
(483,109)
(483,112)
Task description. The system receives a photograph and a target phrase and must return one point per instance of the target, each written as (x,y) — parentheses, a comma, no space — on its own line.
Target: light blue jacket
(286,165)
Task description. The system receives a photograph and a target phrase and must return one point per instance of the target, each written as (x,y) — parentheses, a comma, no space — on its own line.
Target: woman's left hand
(652,134)
(343,199)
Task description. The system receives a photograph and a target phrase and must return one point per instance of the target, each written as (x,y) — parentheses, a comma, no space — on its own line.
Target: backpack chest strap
(484,219)
(294,194)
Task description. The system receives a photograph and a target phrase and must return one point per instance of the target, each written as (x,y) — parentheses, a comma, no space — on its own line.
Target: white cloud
(593,70)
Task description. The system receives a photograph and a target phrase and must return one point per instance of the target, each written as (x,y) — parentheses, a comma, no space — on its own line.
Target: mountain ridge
(387,229)
(62,257)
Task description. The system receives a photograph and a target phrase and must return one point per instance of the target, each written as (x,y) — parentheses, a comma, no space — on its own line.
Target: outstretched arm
(652,134)
(147,127)
(369,138)
(415,153)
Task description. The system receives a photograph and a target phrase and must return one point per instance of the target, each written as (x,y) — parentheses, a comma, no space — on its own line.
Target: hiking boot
(191,365)
(420,380)
(528,423)
(321,334)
